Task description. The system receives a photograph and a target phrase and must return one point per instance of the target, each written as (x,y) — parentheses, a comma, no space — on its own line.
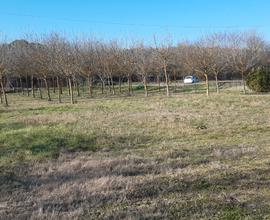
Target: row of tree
(54,61)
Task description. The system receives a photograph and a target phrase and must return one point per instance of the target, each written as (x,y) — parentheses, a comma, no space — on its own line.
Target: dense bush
(259,80)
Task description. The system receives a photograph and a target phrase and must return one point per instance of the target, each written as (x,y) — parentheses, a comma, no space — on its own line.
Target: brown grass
(183,157)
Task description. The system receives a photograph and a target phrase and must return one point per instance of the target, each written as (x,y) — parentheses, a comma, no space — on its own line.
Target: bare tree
(21,63)
(88,61)
(199,58)
(195,59)
(52,43)
(41,59)
(3,70)
(176,66)
(127,66)
(163,50)
(65,61)
(107,56)
(143,64)
(218,51)
(246,51)
(53,59)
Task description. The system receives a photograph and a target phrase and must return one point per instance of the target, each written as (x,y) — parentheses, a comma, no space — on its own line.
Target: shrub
(259,80)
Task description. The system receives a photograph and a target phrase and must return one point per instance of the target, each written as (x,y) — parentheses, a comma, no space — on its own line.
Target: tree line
(54,62)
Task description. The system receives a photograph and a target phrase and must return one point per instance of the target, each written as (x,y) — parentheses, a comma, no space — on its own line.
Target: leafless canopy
(54,61)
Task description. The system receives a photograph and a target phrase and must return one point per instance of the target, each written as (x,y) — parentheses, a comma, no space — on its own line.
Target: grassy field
(184,157)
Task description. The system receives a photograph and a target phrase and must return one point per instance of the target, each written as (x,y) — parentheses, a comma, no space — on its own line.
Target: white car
(190,79)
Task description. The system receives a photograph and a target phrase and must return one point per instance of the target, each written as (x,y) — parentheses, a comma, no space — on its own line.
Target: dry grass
(183,157)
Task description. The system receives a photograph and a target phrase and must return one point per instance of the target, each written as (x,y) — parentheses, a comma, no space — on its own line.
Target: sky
(133,19)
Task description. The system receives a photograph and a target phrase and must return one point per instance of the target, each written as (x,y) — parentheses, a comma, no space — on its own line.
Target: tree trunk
(166,79)
(158,81)
(32,86)
(77,87)
(71,90)
(207,84)
(1,98)
(74,85)
(112,83)
(61,86)
(67,83)
(90,85)
(129,85)
(27,89)
(109,84)
(58,89)
(145,86)
(39,88)
(102,87)
(83,86)
(174,76)
(120,85)
(3,93)
(217,87)
(53,82)
(21,85)
(48,89)
(243,82)
(17,85)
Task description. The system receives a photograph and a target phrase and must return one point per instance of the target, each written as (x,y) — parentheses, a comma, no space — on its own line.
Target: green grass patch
(44,141)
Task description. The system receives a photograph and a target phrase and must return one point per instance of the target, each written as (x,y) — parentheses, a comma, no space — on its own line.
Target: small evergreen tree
(259,80)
